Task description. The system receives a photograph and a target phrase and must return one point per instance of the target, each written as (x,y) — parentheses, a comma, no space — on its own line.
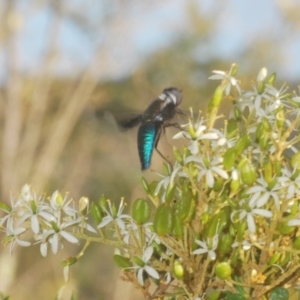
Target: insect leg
(156,148)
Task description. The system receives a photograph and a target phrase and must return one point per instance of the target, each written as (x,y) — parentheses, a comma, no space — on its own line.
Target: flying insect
(153,123)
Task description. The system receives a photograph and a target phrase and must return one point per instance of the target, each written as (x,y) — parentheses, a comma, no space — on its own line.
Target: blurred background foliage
(63,60)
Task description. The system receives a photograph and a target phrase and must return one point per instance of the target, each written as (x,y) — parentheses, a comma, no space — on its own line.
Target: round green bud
(178,270)
(223,270)
(163,220)
(141,211)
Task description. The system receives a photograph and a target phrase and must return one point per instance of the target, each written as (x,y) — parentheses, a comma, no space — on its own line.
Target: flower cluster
(49,220)
(221,224)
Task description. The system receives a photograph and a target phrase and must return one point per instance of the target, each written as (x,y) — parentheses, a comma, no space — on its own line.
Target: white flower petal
(178,135)
(105,221)
(147,254)
(294,222)
(262,74)
(69,237)
(201,244)
(209,136)
(263,212)
(220,172)
(261,201)
(54,243)
(140,276)
(35,226)
(210,180)
(44,249)
(251,223)
(200,251)
(212,254)
(23,243)
(152,272)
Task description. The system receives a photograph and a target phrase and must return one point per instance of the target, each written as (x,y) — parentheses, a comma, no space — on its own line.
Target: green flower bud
(237,113)
(216,99)
(259,131)
(235,185)
(96,213)
(5,207)
(277,167)
(163,220)
(178,270)
(33,206)
(234,69)
(183,206)
(285,259)
(205,218)
(69,261)
(235,257)
(84,205)
(247,172)
(139,261)
(103,204)
(268,171)
(261,87)
(170,193)
(192,210)
(280,118)
(178,155)
(285,229)
(223,270)
(219,184)
(232,127)
(214,295)
(141,211)
(266,124)
(178,226)
(145,185)
(295,161)
(274,259)
(296,244)
(242,144)
(229,159)
(271,79)
(241,228)
(225,244)
(264,142)
(294,209)
(122,262)
(217,223)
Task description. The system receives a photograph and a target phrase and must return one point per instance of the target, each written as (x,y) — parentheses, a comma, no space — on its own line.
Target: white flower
(196,132)
(208,168)
(26,194)
(208,247)
(55,235)
(117,217)
(227,80)
(249,211)
(262,74)
(262,192)
(13,234)
(35,210)
(59,205)
(144,267)
(291,184)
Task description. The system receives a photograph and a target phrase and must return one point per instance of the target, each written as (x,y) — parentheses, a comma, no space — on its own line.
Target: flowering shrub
(221,224)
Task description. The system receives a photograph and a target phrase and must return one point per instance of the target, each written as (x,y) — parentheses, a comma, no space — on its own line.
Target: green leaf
(279,294)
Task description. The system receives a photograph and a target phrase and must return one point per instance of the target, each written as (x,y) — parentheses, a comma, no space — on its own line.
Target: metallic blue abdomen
(146,140)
